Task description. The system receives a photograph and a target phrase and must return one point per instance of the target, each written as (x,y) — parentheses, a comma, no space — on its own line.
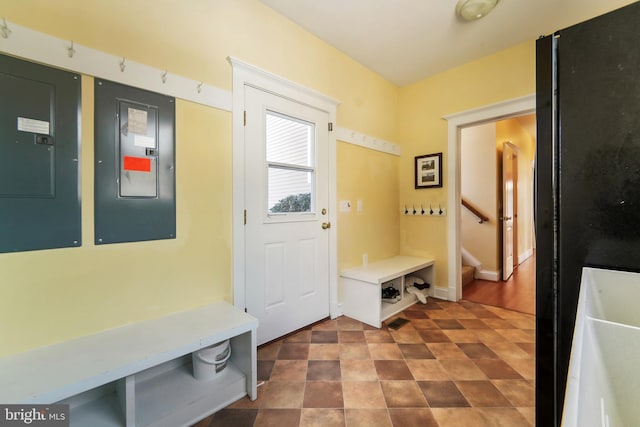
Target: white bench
(139,374)
(362,286)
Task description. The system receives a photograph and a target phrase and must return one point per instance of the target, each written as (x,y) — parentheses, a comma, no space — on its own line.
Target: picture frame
(428,171)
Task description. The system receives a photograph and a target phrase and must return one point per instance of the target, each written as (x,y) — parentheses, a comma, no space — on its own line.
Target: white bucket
(210,361)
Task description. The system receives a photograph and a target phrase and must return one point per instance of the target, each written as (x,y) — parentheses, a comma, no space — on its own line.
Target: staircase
(468,274)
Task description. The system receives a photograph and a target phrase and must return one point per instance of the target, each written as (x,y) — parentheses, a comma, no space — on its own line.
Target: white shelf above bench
(108,377)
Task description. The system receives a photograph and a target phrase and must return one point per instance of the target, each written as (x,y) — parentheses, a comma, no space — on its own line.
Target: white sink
(603,385)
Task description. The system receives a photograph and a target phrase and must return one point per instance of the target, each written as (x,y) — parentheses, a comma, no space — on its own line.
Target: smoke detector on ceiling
(471,10)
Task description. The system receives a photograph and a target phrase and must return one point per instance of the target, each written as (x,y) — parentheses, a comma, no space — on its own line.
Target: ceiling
(408,40)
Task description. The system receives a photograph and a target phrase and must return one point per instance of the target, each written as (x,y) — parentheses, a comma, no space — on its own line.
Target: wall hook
(440,209)
(199,87)
(70,50)
(4,29)
(406,211)
(164,76)
(123,64)
(430,209)
(414,209)
(421,209)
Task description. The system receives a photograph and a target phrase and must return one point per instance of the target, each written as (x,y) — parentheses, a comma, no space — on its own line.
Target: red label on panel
(141,164)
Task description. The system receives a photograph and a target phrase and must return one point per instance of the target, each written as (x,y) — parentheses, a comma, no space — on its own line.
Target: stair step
(468,274)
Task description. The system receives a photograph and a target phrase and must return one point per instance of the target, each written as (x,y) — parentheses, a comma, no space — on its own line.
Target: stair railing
(481,217)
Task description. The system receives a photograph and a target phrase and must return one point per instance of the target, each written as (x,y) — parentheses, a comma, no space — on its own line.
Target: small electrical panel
(134,164)
(39,142)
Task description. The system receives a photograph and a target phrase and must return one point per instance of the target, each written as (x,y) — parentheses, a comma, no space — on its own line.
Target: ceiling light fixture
(471,10)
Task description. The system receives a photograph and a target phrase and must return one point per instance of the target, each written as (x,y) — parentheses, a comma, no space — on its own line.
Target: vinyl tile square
(433,335)
(519,392)
(421,417)
(442,394)
(294,351)
(403,394)
(416,351)
(358,370)
(497,369)
(351,337)
(367,418)
(312,417)
(503,417)
(354,351)
(427,369)
(462,369)
(477,351)
(278,417)
(482,393)
(392,370)
(324,351)
(363,395)
(384,351)
(378,336)
(323,394)
(283,394)
(323,370)
(324,337)
(447,350)
(289,370)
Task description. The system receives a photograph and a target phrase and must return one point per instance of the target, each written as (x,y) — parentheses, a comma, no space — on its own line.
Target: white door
(509,156)
(287,227)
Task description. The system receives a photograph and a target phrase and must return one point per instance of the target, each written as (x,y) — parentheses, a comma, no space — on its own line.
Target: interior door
(509,156)
(287,228)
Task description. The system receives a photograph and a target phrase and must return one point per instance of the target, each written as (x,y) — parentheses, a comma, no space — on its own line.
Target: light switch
(360,207)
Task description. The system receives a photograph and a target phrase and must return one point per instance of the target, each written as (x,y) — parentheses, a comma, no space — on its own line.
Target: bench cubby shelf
(362,286)
(139,374)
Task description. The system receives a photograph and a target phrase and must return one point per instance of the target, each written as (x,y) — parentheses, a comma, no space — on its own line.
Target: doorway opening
(497,236)
(456,123)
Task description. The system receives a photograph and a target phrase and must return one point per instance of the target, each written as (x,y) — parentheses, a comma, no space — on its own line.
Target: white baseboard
(493,276)
(440,293)
(525,256)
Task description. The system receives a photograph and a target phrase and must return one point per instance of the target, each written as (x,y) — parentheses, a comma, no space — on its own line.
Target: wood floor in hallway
(518,293)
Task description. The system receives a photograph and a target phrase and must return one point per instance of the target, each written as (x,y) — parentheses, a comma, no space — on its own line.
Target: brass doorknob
(326,225)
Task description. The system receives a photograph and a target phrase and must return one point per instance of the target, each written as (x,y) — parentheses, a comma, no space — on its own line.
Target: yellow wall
(502,76)
(370,177)
(479,175)
(53,295)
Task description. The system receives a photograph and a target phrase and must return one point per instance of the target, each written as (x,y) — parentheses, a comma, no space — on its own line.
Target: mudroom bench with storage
(362,287)
(141,374)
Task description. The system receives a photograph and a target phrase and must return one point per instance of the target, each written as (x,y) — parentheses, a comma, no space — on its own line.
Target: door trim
(248,75)
(455,122)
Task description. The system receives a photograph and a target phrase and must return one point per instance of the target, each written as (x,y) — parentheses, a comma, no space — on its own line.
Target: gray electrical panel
(134,164)
(39,140)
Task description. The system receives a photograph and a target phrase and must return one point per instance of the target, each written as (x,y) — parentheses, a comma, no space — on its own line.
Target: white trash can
(210,361)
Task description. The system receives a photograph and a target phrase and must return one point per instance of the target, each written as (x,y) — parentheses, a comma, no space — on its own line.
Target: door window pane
(288,140)
(290,163)
(289,190)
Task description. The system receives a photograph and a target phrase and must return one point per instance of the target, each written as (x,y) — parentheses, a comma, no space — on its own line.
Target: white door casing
(287,253)
(455,122)
(246,76)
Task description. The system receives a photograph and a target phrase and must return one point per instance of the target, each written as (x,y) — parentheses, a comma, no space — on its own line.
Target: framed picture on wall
(428,170)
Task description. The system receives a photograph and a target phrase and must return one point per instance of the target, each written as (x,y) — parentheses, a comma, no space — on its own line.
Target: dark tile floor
(454,364)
